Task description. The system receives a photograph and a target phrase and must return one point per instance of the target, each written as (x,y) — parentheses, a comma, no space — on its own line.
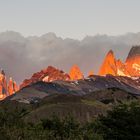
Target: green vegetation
(120,123)
(94,103)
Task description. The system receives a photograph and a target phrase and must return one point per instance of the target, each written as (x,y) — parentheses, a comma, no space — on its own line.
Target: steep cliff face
(109,65)
(3,85)
(130,68)
(135,51)
(12,86)
(52,74)
(47,75)
(7,89)
(133,61)
(121,69)
(75,73)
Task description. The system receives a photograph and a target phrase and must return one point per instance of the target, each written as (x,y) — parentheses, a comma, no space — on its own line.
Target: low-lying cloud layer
(20,56)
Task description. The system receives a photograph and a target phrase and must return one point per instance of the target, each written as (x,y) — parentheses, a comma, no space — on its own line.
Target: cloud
(20,57)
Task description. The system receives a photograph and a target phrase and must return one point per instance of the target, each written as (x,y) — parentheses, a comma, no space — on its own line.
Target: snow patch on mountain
(136,67)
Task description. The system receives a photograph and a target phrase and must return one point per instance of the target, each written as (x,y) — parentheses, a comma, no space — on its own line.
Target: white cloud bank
(20,56)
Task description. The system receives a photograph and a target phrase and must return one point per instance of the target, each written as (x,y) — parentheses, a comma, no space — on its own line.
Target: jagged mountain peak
(2,72)
(75,73)
(110,52)
(48,74)
(49,69)
(135,51)
(12,86)
(7,87)
(133,61)
(109,64)
(130,68)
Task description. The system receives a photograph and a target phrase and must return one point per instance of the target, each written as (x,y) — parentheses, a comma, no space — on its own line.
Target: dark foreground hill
(83,99)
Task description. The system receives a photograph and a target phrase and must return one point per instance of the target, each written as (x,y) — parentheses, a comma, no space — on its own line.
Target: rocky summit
(75,73)
(47,75)
(53,91)
(130,68)
(6,87)
(111,66)
(133,61)
(84,99)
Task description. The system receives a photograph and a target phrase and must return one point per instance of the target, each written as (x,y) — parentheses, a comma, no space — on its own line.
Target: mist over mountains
(21,56)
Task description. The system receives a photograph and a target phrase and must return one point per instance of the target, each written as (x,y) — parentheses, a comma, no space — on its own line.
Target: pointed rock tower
(3,85)
(133,61)
(6,89)
(109,65)
(12,86)
(75,73)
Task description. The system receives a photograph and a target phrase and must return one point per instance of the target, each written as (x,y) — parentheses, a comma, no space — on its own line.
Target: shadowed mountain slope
(84,99)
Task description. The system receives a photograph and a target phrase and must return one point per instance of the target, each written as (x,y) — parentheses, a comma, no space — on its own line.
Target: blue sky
(70,18)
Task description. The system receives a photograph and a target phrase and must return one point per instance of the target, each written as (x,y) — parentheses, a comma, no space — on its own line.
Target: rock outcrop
(6,89)
(109,65)
(121,69)
(75,73)
(12,86)
(3,85)
(47,75)
(130,68)
(133,61)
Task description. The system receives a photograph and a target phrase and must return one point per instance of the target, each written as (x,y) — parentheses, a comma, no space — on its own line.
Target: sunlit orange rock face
(12,86)
(121,69)
(133,66)
(6,89)
(51,74)
(47,75)
(109,65)
(133,61)
(113,66)
(3,85)
(75,73)
(130,68)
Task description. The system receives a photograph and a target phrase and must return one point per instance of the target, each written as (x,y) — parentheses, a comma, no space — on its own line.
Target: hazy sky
(70,18)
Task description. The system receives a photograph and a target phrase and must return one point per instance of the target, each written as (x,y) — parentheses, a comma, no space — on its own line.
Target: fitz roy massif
(128,70)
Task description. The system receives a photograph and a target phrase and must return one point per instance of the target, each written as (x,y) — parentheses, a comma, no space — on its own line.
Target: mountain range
(110,65)
(31,54)
(52,90)
(7,87)
(130,68)
(84,99)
